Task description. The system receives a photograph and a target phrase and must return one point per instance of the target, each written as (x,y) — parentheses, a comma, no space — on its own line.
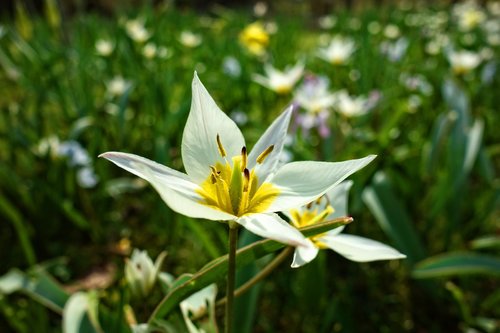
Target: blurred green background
(80,78)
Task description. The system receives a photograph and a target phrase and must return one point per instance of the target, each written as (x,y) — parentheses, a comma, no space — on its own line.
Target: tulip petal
(175,188)
(360,249)
(304,255)
(338,197)
(274,135)
(273,227)
(199,140)
(302,182)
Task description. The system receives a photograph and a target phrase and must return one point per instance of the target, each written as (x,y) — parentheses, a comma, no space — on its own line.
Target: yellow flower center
(310,216)
(235,189)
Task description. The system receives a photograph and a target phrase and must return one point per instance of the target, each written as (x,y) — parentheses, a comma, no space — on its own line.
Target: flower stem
(259,276)
(231,272)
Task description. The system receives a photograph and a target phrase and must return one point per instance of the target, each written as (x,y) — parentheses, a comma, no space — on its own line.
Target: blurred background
(416,83)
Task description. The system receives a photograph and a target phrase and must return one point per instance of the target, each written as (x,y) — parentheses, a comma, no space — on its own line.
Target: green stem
(231,272)
(261,275)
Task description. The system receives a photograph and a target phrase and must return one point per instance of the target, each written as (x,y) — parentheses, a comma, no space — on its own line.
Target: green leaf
(217,268)
(485,242)
(393,217)
(452,264)
(37,284)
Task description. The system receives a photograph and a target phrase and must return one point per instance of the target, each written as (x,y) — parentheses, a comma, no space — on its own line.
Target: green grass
(441,166)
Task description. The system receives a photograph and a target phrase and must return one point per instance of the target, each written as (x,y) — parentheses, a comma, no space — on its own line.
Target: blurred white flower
(313,95)
(260,9)
(140,272)
(48,145)
(231,66)
(104,47)
(200,304)
(278,81)
(327,22)
(469,15)
(338,51)
(117,86)
(86,177)
(77,155)
(164,52)
(392,31)
(239,117)
(149,50)
(463,61)
(137,31)
(394,51)
(417,83)
(351,106)
(189,39)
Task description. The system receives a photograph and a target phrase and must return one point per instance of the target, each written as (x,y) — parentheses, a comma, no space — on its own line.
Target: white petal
(273,227)
(302,182)
(274,135)
(175,188)
(199,140)
(338,196)
(304,254)
(360,249)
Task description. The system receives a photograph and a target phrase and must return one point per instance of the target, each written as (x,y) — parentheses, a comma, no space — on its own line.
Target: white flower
(117,86)
(189,39)
(395,51)
(149,50)
(351,106)
(86,177)
(231,66)
(137,31)
(74,152)
(338,51)
(280,82)
(463,62)
(334,205)
(392,31)
(224,183)
(469,15)
(141,273)
(313,95)
(327,22)
(200,303)
(104,47)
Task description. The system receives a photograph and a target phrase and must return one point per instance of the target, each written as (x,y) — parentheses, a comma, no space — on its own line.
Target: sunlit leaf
(216,269)
(452,264)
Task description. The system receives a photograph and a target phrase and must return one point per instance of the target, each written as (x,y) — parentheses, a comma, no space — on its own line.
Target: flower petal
(274,135)
(199,140)
(273,227)
(360,249)
(302,182)
(338,197)
(175,188)
(304,254)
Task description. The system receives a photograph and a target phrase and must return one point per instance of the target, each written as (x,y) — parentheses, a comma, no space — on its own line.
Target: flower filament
(315,212)
(235,189)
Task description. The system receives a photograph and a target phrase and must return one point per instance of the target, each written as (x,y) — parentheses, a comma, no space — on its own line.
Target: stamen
(264,154)
(246,180)
(222,151)
(309,205)
(244,157)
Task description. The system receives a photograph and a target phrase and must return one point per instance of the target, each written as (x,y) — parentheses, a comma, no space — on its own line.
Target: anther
(244,157)
(264,154)
(222,151)
(246,180)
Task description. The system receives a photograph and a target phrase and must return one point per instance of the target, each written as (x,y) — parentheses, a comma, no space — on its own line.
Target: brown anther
(246,180)
(264,154)
(222,151)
